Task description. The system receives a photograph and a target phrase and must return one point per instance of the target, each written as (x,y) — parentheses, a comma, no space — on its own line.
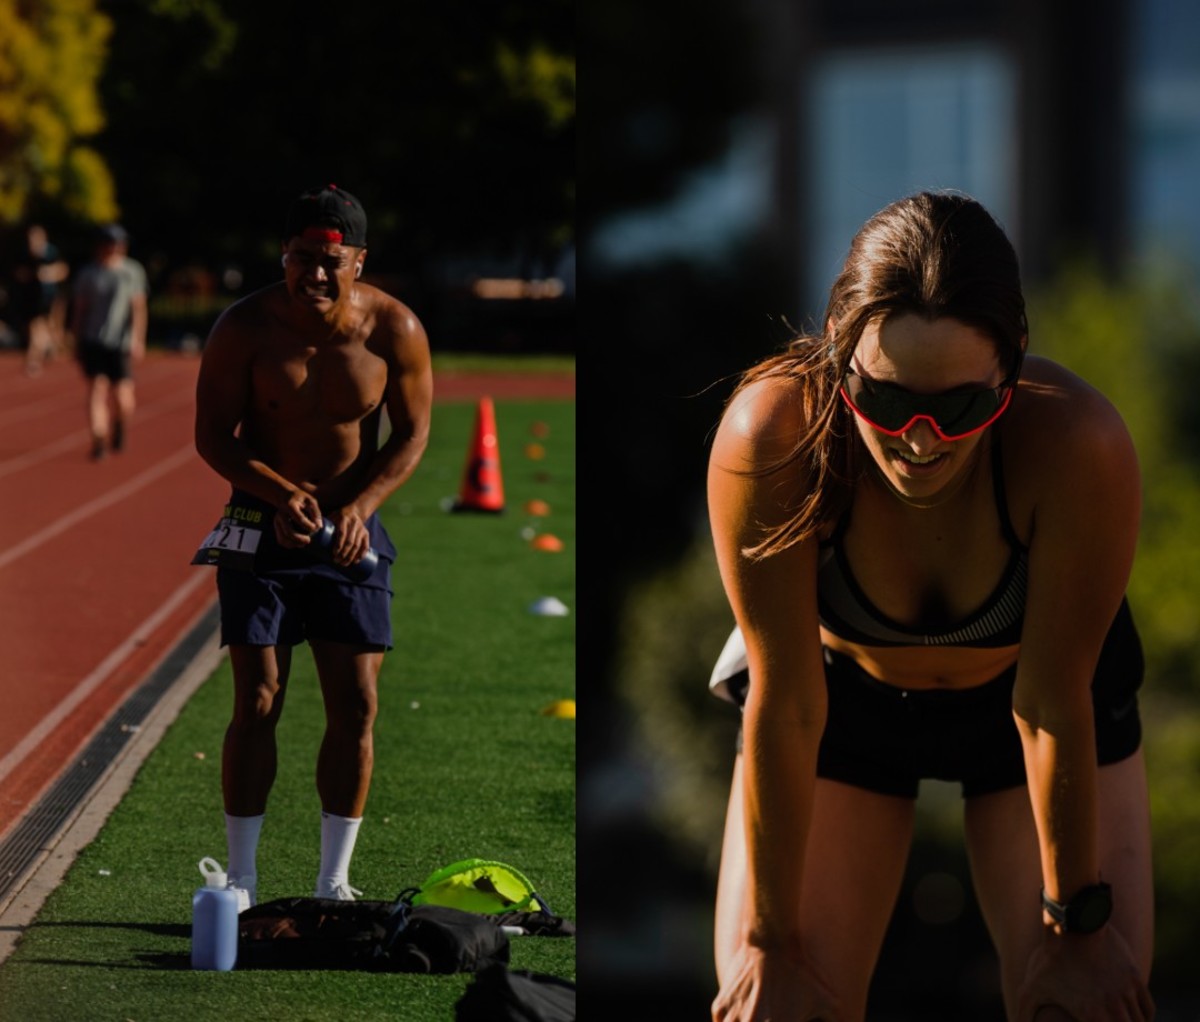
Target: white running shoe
(338,892)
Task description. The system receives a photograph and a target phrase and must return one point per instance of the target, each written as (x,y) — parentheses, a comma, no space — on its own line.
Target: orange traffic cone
(482,489)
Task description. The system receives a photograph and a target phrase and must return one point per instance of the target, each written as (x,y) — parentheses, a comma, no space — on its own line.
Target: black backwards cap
(328,214)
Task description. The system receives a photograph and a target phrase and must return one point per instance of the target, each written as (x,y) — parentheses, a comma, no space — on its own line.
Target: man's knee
(257,701)
(353,713)
(349,685)
(125,395)
(260,705)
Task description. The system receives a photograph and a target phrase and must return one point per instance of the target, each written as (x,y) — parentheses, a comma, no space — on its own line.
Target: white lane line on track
(60,401)
(98,674)
(80,438)
(55,403)
(138,482)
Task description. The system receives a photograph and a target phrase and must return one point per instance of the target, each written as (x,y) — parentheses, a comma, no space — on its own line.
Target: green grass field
(466,765)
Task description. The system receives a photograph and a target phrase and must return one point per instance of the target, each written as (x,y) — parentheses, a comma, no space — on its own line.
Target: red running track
(95,581)
(96,586)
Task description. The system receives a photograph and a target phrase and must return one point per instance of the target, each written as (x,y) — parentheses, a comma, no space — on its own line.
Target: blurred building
(1077,124)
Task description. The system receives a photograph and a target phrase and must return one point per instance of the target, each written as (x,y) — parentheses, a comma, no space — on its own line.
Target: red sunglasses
(953,414)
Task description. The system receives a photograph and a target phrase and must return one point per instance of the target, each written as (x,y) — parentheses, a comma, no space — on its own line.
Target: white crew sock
(241,837)
(338,834)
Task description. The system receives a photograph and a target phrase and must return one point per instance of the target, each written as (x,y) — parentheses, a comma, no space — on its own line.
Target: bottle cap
(213,875)
(322,539)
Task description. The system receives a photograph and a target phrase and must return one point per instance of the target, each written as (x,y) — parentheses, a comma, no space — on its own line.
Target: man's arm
(408,400)
(139,322)
(222,398)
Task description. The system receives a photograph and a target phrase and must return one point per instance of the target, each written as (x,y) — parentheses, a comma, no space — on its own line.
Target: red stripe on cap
(323,234)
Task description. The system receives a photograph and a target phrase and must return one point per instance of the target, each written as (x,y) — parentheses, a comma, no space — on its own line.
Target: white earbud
(283,260)
(358,271)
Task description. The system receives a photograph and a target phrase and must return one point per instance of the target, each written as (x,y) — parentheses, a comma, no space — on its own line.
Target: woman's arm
(1086,508)
(774,602)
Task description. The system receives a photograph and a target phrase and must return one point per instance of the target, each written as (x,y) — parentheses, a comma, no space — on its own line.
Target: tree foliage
(665,90)
(51,57)
(1135,342)
(454,123)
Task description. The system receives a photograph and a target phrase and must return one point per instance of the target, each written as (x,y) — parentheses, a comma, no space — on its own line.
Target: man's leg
(124,393)
(98,393)
(349,676)
(248,758)
(38,350)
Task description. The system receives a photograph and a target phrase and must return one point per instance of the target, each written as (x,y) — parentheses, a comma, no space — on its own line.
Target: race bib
(233,543)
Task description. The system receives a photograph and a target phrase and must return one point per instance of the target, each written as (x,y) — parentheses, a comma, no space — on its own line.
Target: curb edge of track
(167,689)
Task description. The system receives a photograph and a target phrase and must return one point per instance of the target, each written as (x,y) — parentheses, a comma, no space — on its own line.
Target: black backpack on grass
(497,995)
(382,936)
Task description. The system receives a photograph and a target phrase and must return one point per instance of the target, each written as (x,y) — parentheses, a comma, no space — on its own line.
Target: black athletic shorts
(97,360)
(887,739)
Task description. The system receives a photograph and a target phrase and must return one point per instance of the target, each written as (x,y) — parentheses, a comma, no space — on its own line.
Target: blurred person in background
(109,321)
(925,537)
(39,297)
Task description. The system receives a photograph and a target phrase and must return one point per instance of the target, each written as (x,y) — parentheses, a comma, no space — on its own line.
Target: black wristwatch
(1085,913)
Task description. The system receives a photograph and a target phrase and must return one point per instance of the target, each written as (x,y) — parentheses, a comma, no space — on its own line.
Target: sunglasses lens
(891,408)
(961,413)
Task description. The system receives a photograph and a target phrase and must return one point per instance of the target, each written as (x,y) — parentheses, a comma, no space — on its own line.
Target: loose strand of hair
(809,362)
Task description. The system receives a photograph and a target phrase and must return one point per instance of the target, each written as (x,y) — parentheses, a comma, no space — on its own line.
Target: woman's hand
(1091,977)
(773,986)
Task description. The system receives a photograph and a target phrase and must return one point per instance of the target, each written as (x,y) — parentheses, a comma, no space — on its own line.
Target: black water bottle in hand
(322,542)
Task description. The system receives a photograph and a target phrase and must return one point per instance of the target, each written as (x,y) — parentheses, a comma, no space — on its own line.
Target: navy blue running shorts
(290,596)
(887,739)
(287,608)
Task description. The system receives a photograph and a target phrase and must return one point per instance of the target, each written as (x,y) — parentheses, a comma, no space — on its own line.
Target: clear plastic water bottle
(214,920)
(322,541)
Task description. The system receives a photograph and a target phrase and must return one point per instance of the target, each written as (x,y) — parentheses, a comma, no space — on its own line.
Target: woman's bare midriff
(921,667)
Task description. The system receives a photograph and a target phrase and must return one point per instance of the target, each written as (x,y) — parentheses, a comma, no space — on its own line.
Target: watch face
(1090,910)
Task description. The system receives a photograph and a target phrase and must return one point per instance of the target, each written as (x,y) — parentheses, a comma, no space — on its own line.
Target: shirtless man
(293,383)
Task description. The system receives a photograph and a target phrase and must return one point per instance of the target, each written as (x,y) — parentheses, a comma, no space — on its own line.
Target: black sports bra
(845,610)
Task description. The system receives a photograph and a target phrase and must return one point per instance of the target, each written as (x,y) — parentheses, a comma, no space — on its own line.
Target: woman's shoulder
(763,420)
(1054,407)
(1062,428)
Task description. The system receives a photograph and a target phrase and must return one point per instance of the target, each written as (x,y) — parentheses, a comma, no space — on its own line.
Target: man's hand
(351,541)
(297,520)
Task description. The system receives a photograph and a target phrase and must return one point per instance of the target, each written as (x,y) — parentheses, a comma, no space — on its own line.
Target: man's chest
(342,384)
